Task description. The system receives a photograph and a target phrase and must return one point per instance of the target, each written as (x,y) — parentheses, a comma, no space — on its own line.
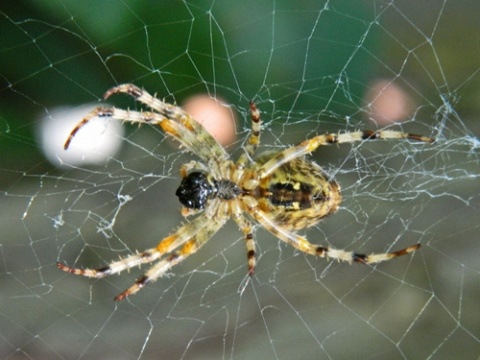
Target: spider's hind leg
(328,252)
(376,258)
(166,245)
(188,248)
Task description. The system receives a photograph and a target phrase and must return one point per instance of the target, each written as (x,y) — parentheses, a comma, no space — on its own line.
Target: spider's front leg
(98,112)
(117,114)
(200,141)
(253,139)
(312,144)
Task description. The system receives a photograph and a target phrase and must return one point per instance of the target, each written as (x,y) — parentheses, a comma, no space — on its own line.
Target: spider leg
(166,245)
(185,169)
(312,144)
(189,248)
(203,141)
(98,112)
(254,138)
(176,130)
(328,252)
(122,115)
(173,120)
(246,227)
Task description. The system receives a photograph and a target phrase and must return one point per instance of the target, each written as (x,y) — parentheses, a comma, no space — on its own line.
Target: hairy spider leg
(236,212)
(312,144)
(253,139)
(176,130)
(305,246)
(117,114)
(189,248)
(173,120)
(203,140)
(166,245)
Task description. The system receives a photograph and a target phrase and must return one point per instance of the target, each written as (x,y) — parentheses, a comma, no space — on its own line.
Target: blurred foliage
(308,57)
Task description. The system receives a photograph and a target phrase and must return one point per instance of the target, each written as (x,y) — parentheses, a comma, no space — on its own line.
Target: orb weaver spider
(284,192)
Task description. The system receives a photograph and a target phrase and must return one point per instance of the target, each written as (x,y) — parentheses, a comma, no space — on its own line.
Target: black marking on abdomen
(292,195)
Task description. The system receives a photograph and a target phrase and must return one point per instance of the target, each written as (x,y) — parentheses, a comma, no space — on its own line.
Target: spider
(284,191)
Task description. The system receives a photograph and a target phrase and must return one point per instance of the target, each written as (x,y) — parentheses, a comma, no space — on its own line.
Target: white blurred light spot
(93,144)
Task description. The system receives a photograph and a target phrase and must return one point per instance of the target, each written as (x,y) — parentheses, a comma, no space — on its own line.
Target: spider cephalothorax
(283,192)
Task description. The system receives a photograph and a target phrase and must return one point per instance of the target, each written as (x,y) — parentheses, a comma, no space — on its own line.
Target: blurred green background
(317,57)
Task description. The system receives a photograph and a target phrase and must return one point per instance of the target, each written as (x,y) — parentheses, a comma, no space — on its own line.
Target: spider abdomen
(298,194)
(292,195)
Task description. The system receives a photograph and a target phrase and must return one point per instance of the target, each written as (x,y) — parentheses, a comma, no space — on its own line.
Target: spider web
(311,67)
